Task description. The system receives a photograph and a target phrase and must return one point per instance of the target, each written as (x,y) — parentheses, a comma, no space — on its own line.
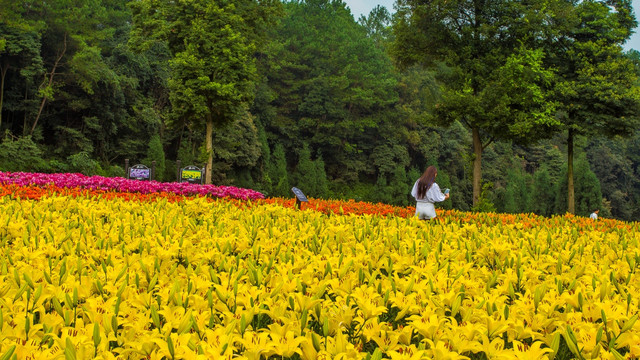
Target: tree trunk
(3,73)
(53,72)
(209,147)
(477,165)
(25,118)
(570,187)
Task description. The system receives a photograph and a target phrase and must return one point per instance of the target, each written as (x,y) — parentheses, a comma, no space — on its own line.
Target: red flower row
(337,207)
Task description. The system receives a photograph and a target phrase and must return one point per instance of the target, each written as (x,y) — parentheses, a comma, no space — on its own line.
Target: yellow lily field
(85,277)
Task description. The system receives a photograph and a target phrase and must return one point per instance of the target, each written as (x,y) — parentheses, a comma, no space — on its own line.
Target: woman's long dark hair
(426,180)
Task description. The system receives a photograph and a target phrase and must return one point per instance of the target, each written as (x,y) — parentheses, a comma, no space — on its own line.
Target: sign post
(300,198)
(191,174)
(139,172)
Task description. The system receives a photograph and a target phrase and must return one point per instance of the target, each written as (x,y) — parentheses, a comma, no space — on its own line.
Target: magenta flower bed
(69,180)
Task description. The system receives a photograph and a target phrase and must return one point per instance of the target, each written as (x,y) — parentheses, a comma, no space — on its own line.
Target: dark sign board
(299,195)
(139,172)
(191,174)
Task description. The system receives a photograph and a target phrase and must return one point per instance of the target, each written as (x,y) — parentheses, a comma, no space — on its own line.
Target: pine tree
(588,194)
(264,162)
(542,199)
(156,152)
(322,186)
(589,197)
(399,186)
(278,172)
(383,191)
(185,153)
(516,196)
(305,174)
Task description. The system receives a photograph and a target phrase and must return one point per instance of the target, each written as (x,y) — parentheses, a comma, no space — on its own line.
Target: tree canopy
(595,81)
(493,79)
(212,65)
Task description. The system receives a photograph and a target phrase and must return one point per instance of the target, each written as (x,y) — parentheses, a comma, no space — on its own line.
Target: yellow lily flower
(407,353)
(533,351)
(427,324)
(339,347)
(256,344)
(368,301)
(218,342)
(441,350)
(494,349)
(284,342)
(463,338)
(340,314)
(387,341)
(30,350)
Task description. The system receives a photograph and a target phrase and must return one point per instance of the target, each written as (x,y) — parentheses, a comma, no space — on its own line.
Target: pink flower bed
(69,180)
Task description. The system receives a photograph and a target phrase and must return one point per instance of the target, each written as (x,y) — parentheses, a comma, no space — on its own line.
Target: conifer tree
(322,186)
(516,196)
(382,190)
(399,186)
(186,153)
(264,163)
(588,194)
(278,173)
(542,195)
(305,174)
(156,152)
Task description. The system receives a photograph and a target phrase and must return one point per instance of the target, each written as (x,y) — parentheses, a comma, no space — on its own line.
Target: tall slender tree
(212,45)
(596,88)
(494,81)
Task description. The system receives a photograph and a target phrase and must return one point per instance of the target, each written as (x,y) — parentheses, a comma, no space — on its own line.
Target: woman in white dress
(427,192)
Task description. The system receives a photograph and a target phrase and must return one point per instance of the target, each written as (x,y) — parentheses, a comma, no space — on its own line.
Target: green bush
(359,191)
(485,204)
(82,163)
(57,166)
(20,154)
(111,171)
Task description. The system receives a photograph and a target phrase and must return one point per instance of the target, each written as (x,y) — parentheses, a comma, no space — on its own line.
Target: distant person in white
(594,215)
(427,192)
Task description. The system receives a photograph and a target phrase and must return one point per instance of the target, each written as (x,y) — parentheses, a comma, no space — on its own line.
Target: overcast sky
(363,7)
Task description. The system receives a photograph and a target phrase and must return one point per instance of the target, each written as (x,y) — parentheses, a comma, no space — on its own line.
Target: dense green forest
(523,107)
